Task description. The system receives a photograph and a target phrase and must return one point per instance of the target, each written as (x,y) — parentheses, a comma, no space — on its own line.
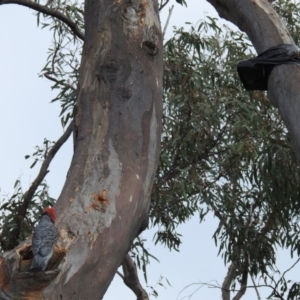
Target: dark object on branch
(254,72)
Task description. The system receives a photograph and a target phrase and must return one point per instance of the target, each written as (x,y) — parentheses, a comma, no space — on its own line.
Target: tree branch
(120,274)
(277,283)
(249,224)
(220,217)
(243,288)
(248,16)
(48,11)
(131,278)
(61,82)
(227,282)
(162,5)
(22,210)
(168,20)
(52,72)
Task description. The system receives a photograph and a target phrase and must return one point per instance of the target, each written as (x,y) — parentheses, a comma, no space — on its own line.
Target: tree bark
(265,29)
(106,196)
(230,276)
(131,278)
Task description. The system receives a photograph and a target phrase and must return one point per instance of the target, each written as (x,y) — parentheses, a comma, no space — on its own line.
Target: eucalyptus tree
(117,87)
(227,152)
(222,150)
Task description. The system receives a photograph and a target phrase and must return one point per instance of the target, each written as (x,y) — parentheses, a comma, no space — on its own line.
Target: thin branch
(208,284)
(174,171)
(168,20)
(131,278)
(52,72)
(61,82)
(285,273)
(243,288)
(220,217)
(55,53)
(254,283)
(48,11)
(22,210)
(249,260)
(289,269)
(162,5)
(120,274)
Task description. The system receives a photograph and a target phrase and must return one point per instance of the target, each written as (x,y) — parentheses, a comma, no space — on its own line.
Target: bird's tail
(38,263)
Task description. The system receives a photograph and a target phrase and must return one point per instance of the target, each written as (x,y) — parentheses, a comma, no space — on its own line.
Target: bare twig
(289,269)
(48,11)
(162,5)
(22,210)
(120,274)
(201,284)
(131,278)
(168,19)
(217,286)
(294,264)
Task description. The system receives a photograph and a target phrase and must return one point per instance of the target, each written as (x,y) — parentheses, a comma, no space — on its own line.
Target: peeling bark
(118,125)
(265,29)
(106,196)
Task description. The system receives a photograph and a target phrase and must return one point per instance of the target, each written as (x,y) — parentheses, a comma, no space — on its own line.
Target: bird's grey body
(43,242)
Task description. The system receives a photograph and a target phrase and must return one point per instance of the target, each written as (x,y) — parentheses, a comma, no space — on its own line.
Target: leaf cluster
(289,11)
(224,151)
(9,212)
(63,60)
(141,255)
(40,153)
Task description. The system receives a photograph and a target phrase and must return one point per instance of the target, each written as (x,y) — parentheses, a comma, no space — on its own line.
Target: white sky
(26,117)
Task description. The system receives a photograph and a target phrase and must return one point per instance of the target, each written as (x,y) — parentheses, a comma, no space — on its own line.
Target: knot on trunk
(150,49)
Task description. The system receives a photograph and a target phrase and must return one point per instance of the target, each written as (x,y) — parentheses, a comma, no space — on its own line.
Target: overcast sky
(26,118)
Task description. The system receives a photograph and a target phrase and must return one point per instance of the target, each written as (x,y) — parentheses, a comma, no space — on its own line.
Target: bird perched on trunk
(44,239)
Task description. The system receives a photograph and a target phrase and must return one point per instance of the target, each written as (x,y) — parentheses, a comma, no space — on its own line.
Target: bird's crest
(50,210)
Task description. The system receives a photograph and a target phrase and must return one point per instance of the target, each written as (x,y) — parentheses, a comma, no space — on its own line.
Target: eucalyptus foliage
(9,208)
(227,151)
(63,60)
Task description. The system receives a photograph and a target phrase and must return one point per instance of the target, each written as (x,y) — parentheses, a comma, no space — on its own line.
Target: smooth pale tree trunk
(105,200)
(265,29)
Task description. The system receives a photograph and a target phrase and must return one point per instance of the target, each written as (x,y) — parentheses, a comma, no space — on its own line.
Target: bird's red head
(50,210)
